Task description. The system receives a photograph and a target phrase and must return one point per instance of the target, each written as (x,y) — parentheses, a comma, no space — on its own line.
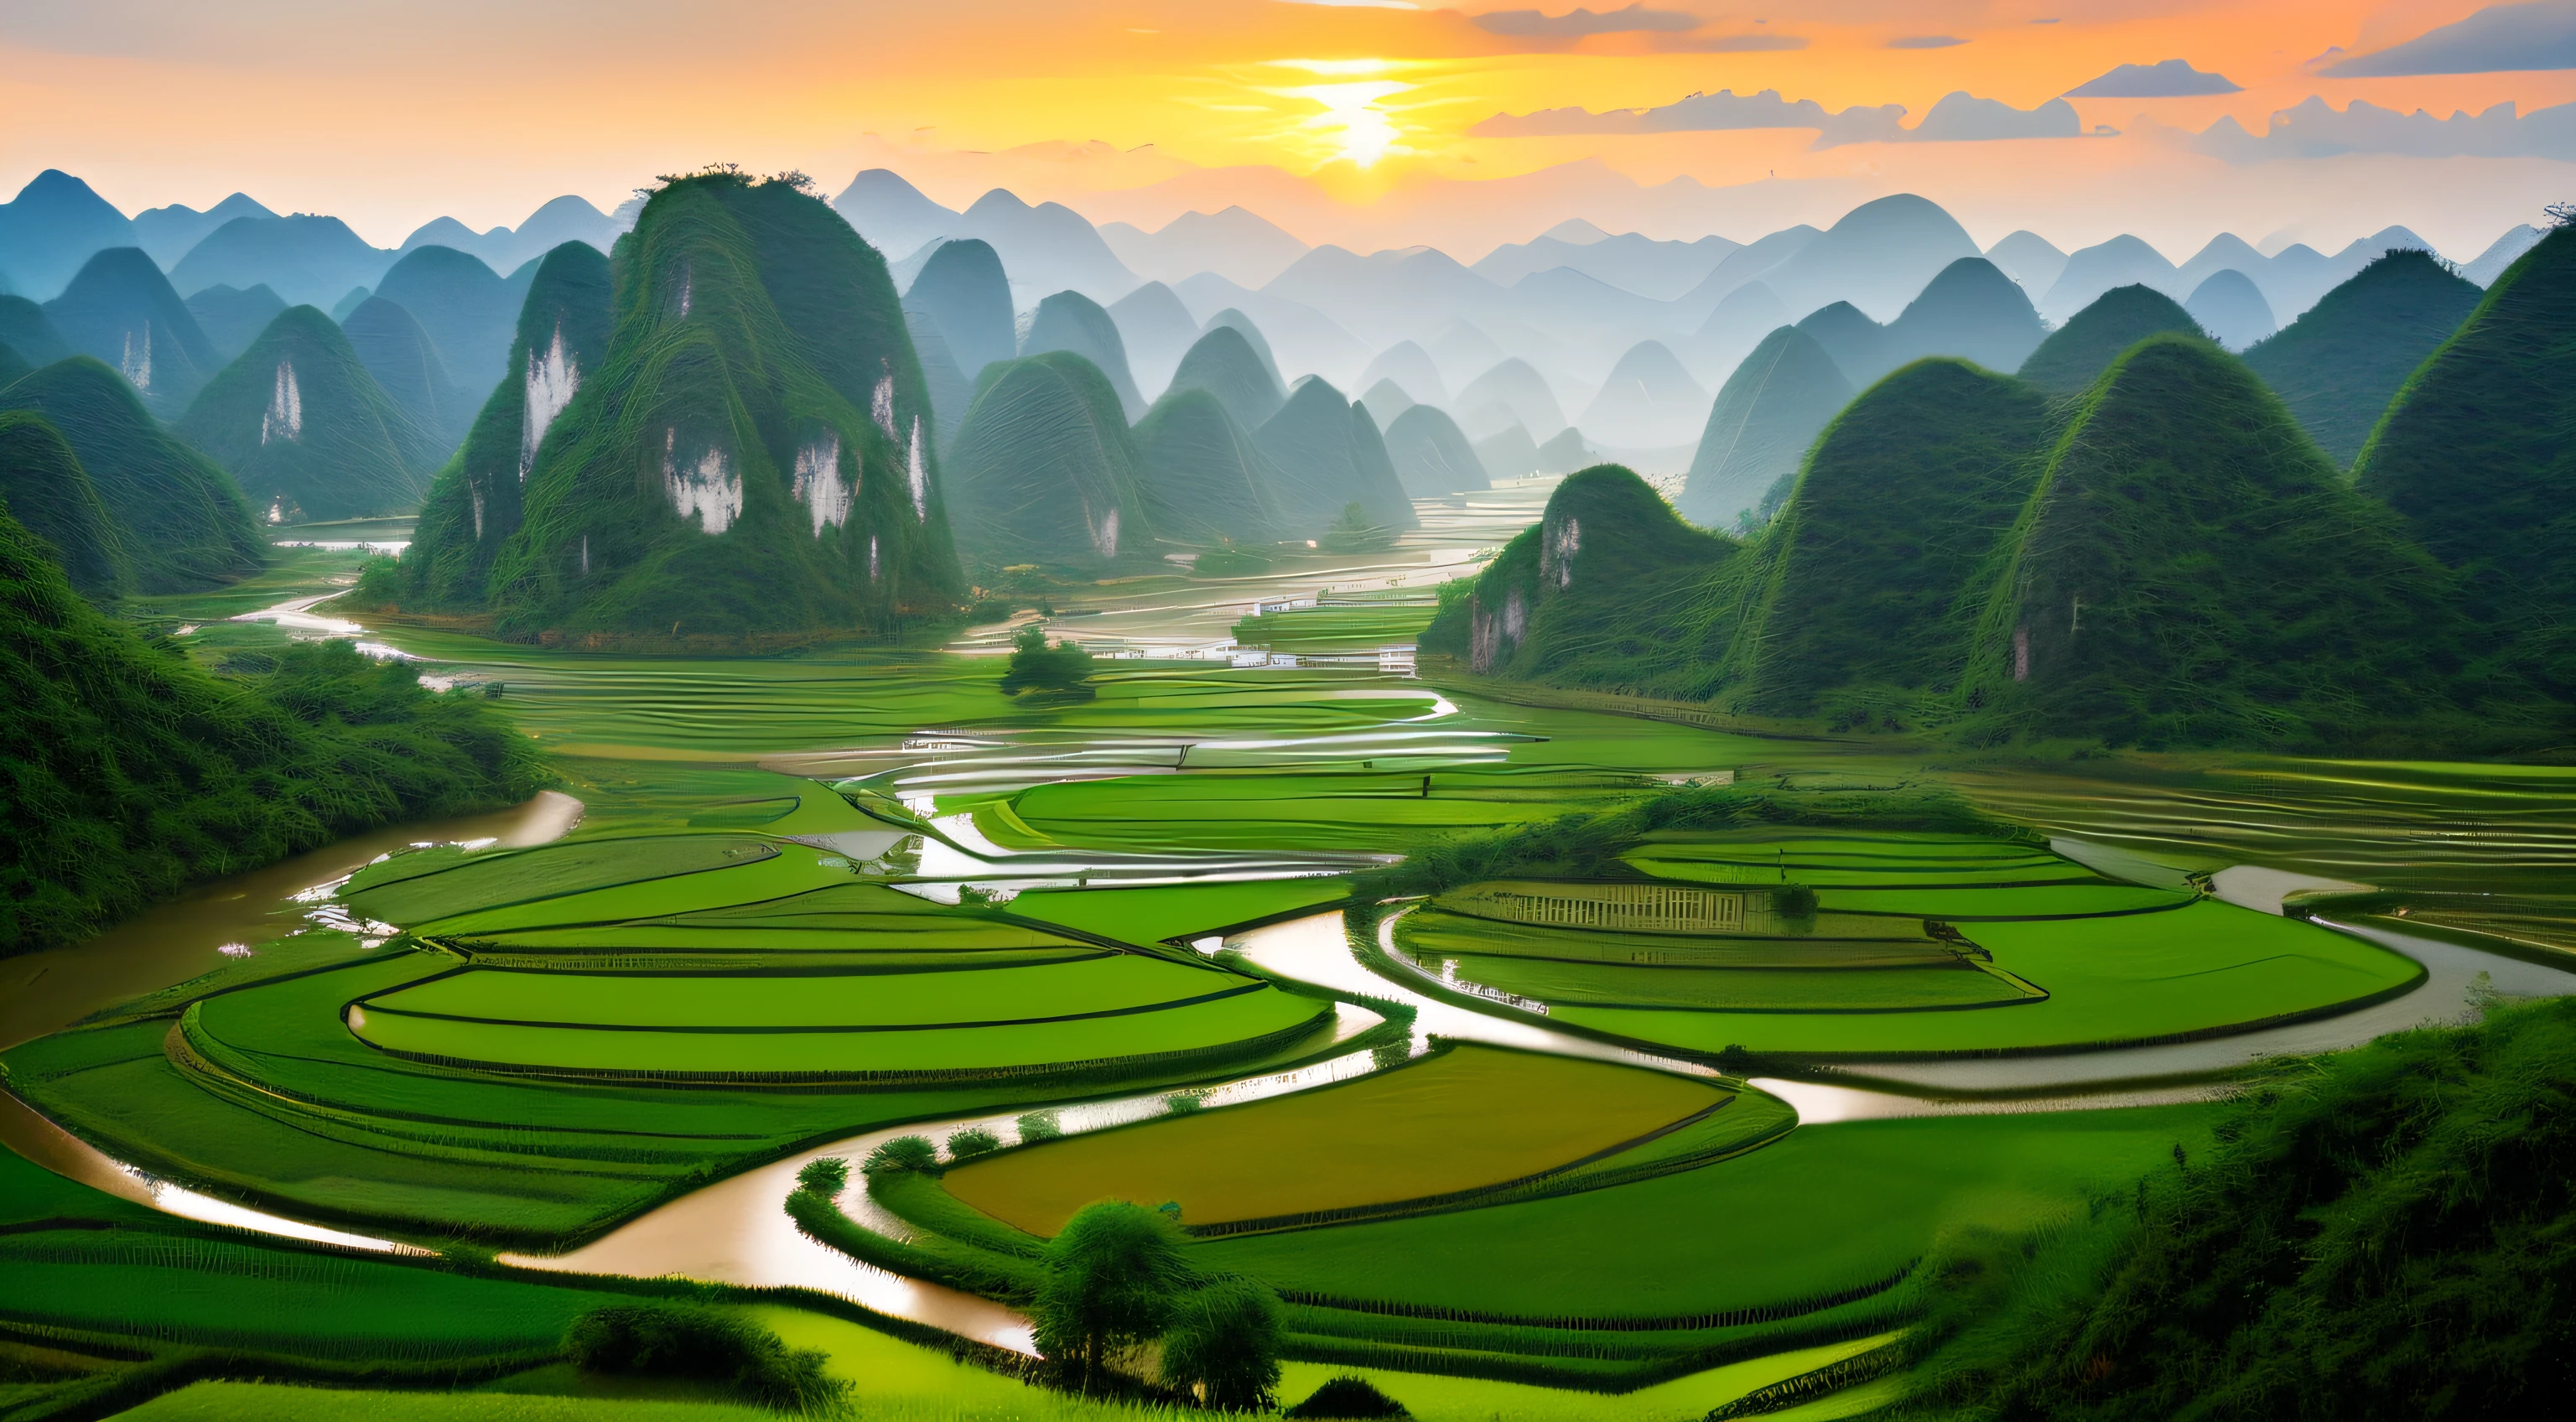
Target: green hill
(2191,570)
(1203,479)
(25,329)
(182,522)
(1071,321)
(474,505)
(1235,318)
(232,319)
(1225,365)
(2077,352)
(307,433)
(2339,365)
(963,288)
(1329,455)
(1431,454)
(12,366)
(1767,413)
(950,391)
(400,355)
(123,311)
(43,485)
(1045,470)
(2474,454)
(1971,311)
(1857,344)
(751,458)
(1611,589)
(1870,566)
(130,774)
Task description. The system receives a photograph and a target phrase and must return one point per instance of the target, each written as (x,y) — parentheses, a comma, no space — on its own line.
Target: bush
(681,1341)
(1223,1344)
(1348,1397)
(902,1153)
(1040,1126)
(828,1176)
(1795,902)
(972,1142)
(1035,666)
(1112,1275)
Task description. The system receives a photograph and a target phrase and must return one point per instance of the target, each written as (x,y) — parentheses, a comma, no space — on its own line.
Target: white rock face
(872,557)
(819,486)
(1558,544)
(917,469)
(553,379)
(688,286)
(709,487)
(284,418)
(1104,532)
(882,407)
(474,492)
(137,364)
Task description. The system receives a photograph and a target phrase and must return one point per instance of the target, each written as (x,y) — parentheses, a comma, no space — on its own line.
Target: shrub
(681,1341)
(1035,666)
(1111,1277)
(1040,1126)
(1794,901)
(972,1142)
(829,1175)
(1223,1344)
(1348,1397)
(902,1153)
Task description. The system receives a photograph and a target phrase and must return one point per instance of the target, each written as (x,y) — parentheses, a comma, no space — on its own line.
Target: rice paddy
(843,896)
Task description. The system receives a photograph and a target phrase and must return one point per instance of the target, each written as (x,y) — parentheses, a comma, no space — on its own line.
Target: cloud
(2499,38)
(1964,118)
(1574,24)
(1358,4)
(2315,130)
(1958,118)
(1736,44)
(2173,79)
(1925,42)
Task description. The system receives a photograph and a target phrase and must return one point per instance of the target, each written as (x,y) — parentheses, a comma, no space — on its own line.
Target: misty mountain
(892,214)
(1972,311)
(1508,454)
(2231,309)
(1636,264)
(1765,416)
(1157,329)
(963,290)
(1048,247)
(1878,257)
(469,311)
(2500,254)
(1432,456)
(1225,364)
(232,319)
(1303,340)
(1739,323)
(121,310)
(506,249)
(1330,455)
(309,261)
(1648,400)
(1385,400)
(167,233)
(2029,259)
(1071,321)
(1513,392)
(1409,366)
(2091,271)
(1241,246)
(1385,296)
(51,228)
(394,348)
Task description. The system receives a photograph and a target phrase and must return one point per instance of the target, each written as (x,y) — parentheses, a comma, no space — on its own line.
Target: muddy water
(187,937)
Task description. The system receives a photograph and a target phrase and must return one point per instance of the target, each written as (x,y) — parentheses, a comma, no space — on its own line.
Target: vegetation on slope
(390,343)
(1045,467)
(1202,477)
(475,503)
(1767,413)
(1071,321)
(53,498)
(307,433)
(2474,455)
(25,329)
(123,311)
(1224,364)
(2339,365)
(962,288)
(2077,353)
(2191,570)
(2375,1235)
(134,773)
(182,522)
(1611,589)
(1328,455)
(1867,572)
(752,457)
(1431,454)
(232,318)
(1971,311)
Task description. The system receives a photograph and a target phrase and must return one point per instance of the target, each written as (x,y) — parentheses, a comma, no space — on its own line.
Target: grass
(1469,1117)
(1829,1207)
(1328,630)
(1151,915)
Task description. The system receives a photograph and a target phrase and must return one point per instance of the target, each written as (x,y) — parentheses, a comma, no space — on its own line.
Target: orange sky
(388,118)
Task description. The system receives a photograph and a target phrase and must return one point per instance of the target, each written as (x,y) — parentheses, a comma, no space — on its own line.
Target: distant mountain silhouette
(1648,400)
(468,309)
(403,359)
(1203,478)
(1157,328)
(167,233)
(1071,321)
(1765,416)
(963,289)
(2231,309)
(51,228)
(1224,364)
(1432,456)
(232,318)
(1045,468)
(2077,352)
(1329,455)
(120,309)
(311,261)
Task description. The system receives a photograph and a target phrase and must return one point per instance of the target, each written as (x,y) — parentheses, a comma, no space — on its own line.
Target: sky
(1371,123)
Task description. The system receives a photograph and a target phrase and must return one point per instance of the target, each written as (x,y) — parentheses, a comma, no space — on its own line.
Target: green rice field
(1492,1144)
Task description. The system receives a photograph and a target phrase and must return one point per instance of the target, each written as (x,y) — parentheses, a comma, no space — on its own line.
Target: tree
(1111,1278)
(1223,1343)
(826,1175)
(902,1153)
(1062,668)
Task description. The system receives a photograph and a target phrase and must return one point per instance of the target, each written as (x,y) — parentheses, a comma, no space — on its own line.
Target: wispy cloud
(2500,38)
(2172,79)
(1925,42)
(2315,129)
(1958,118)
(1574,24)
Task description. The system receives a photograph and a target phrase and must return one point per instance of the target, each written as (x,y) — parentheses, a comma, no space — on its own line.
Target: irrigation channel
(653,742)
